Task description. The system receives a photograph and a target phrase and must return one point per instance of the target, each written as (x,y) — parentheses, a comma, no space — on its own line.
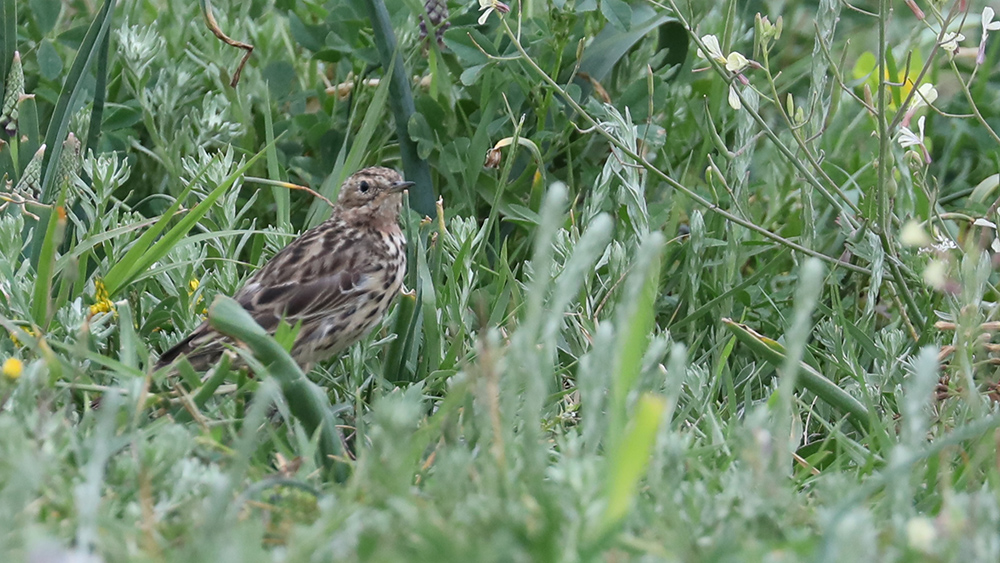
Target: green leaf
(69,98)
(618,13)
(421,132)
(42,295)
(46,13)
(614,41)
(50,64)
(8,39)
(69,101)
(417,170)
(634,324)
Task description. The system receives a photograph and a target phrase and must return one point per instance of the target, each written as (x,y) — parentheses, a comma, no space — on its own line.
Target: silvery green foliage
(827,16)
(275,239)
(211,169)
(696,250)
(169,94)
(11,225)
(107,173)
(15,279)
(621,172)
(462,233)
(853,535)
(892,344)
(213,125)
(970,521)
(869,248)
(746,130)
(138,48)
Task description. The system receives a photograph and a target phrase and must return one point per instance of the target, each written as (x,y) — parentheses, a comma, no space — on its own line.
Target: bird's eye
(364,186)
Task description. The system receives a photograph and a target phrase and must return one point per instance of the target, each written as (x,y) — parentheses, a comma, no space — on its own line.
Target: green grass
(660,328)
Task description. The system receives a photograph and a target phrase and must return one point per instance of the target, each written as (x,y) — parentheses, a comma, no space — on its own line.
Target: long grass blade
(401,102)
(351,161)
(126,270)
(774,353)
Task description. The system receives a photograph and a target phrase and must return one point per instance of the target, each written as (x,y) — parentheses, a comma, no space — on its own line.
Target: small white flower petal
(951,40)
(988,23)
(486,14)
(928,93)
(736,62)
(907,138)
(734,100)
(714,50)
(984,222)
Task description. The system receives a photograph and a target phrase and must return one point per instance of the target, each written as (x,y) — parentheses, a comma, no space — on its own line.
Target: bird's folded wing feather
(322,297)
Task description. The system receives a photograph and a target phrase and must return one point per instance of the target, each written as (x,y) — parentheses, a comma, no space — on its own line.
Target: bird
(336,279)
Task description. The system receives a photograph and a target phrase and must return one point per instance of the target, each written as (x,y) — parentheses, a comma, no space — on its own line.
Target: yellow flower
(193,286)
(102,301)
(14,339)
(12,368)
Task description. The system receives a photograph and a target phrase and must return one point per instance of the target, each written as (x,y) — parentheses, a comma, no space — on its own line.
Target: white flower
(925,96)
(988,26)
(988,23)
(489,6)
(736,62)
(951,40)
(734,100)
(907,138)
(712,44)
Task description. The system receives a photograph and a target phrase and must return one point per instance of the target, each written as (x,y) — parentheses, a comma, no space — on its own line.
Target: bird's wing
(296,301)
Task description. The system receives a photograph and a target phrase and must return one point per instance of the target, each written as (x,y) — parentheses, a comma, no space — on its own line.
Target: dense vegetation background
(719,292)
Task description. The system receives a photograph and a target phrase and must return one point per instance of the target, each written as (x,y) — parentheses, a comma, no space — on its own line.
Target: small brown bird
(337,279)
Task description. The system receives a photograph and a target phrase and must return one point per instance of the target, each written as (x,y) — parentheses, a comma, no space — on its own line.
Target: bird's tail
(202,348)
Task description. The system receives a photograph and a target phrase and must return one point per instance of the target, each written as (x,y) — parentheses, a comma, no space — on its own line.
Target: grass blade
(318,211)
(42,295)
(305,399)
(774,353)
(635,323)
(142,255)
(401,102)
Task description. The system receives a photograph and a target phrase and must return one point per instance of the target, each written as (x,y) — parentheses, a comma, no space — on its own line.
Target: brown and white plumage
(337,279)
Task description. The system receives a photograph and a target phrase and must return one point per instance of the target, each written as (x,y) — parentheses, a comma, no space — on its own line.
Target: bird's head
(374,194)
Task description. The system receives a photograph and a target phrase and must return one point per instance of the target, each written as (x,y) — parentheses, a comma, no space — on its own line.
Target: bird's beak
(400,186)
